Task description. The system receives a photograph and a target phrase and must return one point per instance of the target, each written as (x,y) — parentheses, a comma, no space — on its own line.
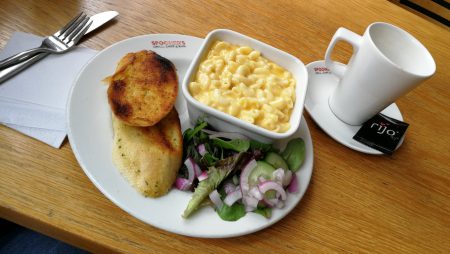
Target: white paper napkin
(34,101)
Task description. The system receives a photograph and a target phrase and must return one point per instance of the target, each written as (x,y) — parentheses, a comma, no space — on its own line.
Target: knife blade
(100,19)
(97,21)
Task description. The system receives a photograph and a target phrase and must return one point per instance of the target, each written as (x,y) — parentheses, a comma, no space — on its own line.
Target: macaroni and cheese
(239,81)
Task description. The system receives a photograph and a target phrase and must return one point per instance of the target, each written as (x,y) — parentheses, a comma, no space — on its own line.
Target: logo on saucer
(168,44)
(322,70)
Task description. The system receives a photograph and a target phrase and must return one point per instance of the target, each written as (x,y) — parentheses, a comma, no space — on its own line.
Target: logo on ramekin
(321,70)
(168,44)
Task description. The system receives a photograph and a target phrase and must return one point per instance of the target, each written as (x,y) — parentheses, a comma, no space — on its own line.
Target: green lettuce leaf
(264,211)
(237,145)
(294,153)
(216,175)
(232,213)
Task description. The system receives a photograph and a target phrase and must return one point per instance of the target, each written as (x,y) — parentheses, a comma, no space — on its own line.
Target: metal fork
(59,42)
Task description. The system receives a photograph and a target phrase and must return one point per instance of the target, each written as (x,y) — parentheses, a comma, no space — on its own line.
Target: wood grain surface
(355,203)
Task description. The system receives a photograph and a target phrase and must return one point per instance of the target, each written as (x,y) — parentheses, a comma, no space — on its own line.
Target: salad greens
(232,213)
(238,175)
(294,154)
(216,174)
(237,145)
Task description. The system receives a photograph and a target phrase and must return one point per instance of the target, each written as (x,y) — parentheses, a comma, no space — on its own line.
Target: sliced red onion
(265,203)
(244,176)
(202,176)
(280,204)
(278,175)
(250,203)
(198,172)
(256,193)
(215,198)
(262,179)
(229,135)
(293,185)
(197,169)
(189,162)
(232,197)
(271,185)
(193,171)
(229,187)
(287,178)
(182,184)
(271,202)
(201,149)
(282,176)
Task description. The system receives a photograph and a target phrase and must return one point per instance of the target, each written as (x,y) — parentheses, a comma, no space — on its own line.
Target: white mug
(387,63)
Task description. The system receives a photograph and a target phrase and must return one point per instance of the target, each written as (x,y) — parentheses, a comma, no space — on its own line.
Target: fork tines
(72,29)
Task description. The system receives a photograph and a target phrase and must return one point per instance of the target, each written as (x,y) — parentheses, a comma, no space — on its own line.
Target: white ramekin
(225,122)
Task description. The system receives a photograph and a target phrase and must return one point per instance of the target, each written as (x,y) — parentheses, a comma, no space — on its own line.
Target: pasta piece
(241,82)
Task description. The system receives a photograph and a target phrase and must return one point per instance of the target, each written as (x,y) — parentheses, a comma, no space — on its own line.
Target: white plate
(90,134)
(321,84)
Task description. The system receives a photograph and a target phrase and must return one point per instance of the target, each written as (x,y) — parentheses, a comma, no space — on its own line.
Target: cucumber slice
(276,161)
(263,169)
(294,153)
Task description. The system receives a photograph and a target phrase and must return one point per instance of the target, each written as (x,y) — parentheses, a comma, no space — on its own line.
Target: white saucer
(321,84)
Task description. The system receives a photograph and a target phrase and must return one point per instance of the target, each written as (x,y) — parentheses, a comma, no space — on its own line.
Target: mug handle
(342,34)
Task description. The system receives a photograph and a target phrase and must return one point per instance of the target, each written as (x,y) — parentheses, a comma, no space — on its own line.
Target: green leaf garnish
(232,213)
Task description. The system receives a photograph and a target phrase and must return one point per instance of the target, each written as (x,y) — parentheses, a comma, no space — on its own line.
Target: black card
(382,133)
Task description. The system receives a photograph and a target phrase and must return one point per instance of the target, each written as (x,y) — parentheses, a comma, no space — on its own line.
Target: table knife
(97,20)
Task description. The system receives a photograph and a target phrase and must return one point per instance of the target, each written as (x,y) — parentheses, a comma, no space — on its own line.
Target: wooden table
(355,202)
